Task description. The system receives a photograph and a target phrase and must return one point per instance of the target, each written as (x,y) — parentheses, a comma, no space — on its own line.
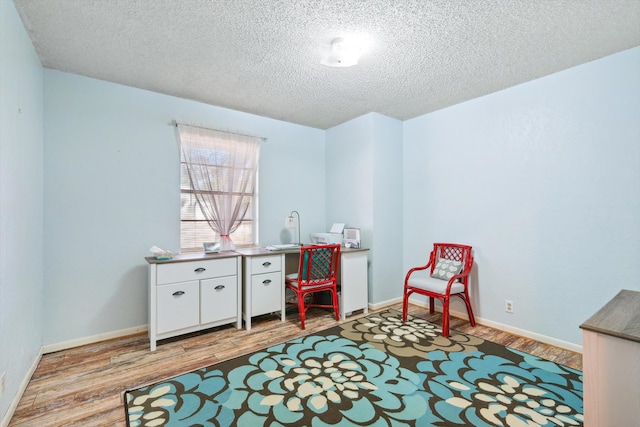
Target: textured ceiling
(263,56)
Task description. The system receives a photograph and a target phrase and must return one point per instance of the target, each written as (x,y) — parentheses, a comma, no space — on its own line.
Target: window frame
(194,222)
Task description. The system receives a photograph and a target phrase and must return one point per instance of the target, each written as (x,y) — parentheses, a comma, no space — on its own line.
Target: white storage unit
(263,283)
(354,283)
(610,363)
(193,292)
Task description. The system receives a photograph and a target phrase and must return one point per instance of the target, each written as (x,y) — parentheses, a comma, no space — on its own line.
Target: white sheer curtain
(222,169)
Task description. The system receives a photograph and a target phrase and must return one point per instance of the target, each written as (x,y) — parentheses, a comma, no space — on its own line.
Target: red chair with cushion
(317,272)
(448,275)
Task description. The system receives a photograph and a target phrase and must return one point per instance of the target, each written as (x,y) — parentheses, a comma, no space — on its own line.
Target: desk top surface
(259,251)
(254,251)
(195,256)
(620,317)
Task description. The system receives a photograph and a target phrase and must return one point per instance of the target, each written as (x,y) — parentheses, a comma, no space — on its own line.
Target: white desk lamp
(290,222)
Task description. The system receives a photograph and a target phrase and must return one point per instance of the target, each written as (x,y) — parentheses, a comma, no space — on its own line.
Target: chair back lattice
(318,264)
(453,252)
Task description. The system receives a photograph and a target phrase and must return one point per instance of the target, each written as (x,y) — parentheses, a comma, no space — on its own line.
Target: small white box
(352,237)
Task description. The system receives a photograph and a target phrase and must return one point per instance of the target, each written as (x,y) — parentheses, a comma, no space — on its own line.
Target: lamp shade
(290,222)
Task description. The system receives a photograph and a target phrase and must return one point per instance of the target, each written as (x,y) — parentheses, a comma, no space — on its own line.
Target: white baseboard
(507,328)
(384,304)
(528,334)
(50,348)
(21,390)
(372,306)
(486,322)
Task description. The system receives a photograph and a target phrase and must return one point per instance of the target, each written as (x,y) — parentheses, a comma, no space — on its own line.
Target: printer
(333,236)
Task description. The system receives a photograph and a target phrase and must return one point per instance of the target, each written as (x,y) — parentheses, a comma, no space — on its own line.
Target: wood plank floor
(83,386)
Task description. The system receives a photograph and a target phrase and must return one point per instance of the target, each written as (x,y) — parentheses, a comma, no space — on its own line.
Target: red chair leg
(467,302)
(405,306)
(432,307)
(445,317)
(301,308)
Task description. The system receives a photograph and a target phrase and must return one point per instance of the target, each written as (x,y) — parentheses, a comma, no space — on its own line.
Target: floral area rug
(373,371)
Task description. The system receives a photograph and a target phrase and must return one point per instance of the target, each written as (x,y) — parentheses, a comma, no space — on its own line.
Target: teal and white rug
(373,371)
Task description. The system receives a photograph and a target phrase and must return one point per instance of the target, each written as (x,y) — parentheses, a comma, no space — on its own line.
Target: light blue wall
(350,155)
(21,229)
(112,191)
(387,267)
(512,147)
(543,179)
(364,182)
(349,165)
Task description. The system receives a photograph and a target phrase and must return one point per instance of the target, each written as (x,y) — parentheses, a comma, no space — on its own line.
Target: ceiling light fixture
(342,53)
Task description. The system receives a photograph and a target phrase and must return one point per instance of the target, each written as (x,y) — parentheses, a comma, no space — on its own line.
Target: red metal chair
(317,272)
(448,267)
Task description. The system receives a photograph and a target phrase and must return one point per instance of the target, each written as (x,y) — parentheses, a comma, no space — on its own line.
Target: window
(218,174)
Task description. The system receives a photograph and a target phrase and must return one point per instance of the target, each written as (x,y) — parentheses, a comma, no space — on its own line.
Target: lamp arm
(298,223)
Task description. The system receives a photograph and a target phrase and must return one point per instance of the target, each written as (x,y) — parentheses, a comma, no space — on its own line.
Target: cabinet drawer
(266,293)
(218,299)
(266,264)
(177,306)
(196,270)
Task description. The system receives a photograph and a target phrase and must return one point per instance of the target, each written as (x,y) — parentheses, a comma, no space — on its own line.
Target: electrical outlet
(2,383)
(508,306)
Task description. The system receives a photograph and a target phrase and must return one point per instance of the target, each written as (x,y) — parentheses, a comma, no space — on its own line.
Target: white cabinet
(193,292)
(219,299)
(610,368)
(266,292)
(177,306)
(354,283)
(263,283)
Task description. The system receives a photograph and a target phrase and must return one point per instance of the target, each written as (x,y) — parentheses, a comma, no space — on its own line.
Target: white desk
(353,281)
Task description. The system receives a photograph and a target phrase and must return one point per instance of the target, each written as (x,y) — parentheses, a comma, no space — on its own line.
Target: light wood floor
(83,386)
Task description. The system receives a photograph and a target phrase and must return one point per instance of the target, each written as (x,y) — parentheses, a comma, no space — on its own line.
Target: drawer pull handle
(200,270)
(178,293)
(266,282)
(217,288)
(266,264)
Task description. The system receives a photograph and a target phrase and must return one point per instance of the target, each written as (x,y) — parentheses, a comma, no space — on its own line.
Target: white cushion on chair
(294,282)
(435,285)
(291,279)
(291,276)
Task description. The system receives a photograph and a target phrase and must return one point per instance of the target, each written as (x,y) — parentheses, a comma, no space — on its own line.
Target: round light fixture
(341,53)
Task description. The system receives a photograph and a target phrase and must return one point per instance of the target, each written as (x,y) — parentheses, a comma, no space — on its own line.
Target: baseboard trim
(486,322)
(528,334)
(372,306)
(51,348)
(376,306)
(23,387)
(507,328)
